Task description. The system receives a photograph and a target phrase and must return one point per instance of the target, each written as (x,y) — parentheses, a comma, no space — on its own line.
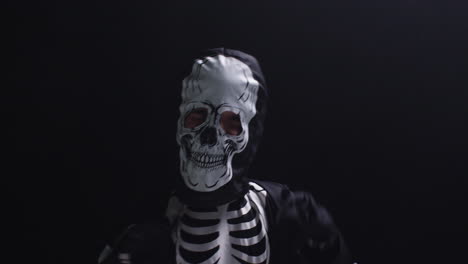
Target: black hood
(238,186)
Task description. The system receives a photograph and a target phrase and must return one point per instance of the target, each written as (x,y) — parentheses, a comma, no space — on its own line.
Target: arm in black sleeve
(320,240)
(140,244)
(298,224)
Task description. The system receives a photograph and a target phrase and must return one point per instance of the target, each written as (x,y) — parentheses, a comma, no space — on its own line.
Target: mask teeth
(205,160)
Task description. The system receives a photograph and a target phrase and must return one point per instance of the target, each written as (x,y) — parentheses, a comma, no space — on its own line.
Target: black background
(369,112)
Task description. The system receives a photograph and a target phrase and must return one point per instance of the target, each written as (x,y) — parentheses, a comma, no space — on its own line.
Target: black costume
(217,214)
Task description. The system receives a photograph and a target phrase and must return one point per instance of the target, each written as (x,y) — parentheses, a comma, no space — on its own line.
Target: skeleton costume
(217,214)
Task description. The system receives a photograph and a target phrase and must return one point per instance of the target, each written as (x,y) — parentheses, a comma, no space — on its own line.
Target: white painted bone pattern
(224,248)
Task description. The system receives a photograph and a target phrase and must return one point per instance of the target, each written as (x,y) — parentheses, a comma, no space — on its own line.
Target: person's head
(221,119)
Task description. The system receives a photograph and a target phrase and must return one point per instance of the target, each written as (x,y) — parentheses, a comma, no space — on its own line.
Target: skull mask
(218,102)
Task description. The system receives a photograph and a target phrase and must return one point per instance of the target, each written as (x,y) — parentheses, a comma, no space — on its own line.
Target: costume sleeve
(303,226)
(319,240)
(140,244)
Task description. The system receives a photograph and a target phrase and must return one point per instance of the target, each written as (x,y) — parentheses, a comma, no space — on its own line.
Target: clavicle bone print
(231,233)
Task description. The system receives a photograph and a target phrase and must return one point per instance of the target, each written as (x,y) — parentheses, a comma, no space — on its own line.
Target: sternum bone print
(230,233)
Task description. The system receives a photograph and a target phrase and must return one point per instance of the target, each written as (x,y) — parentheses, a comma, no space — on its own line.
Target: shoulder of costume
(277,192)
(284,202)
(270,187)
(277,199)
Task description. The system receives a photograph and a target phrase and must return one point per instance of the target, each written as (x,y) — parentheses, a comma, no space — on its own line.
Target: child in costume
(216,213)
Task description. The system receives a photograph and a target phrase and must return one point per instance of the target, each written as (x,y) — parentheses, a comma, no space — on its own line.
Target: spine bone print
(232,233)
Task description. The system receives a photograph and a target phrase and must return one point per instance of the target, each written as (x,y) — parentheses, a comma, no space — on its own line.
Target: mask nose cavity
(208,136)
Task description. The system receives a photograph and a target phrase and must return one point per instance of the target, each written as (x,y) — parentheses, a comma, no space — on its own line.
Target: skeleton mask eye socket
(231,123)
(195,118)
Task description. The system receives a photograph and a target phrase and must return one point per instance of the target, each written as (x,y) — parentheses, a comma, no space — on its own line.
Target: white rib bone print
(228,234)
